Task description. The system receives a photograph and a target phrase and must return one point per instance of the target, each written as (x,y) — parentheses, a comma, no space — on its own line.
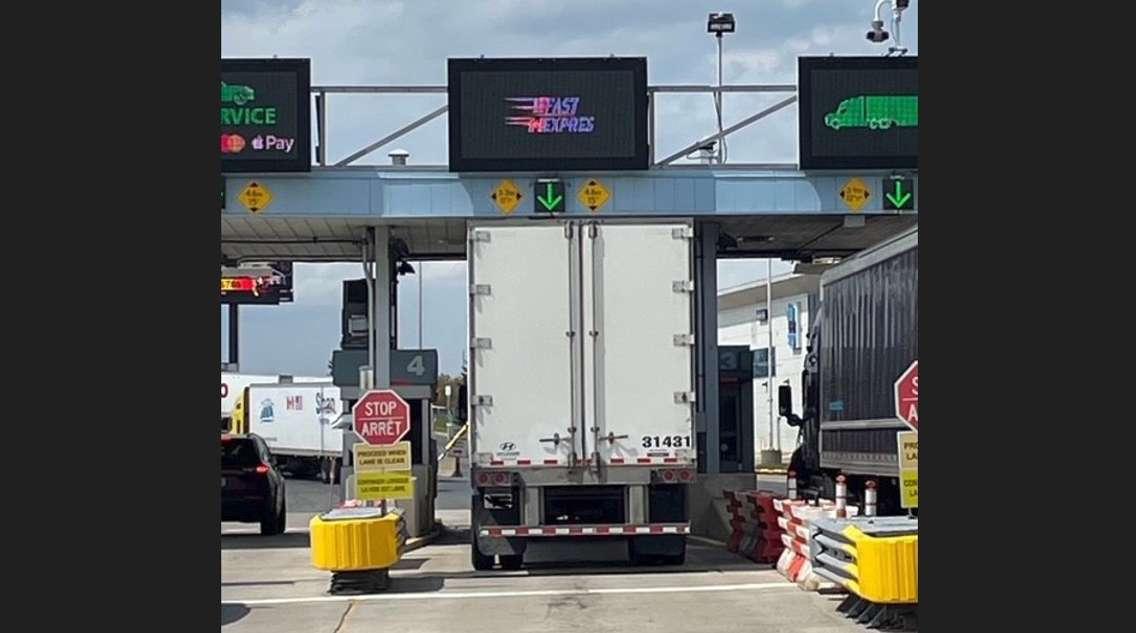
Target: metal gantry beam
(730,130)
(393,135)
(322,93)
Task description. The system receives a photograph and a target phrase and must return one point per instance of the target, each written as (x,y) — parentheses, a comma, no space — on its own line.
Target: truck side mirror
(785,400)
(463,403)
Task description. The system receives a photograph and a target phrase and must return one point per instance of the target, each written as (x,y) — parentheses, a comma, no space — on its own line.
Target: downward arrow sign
(548,202)
(900,198)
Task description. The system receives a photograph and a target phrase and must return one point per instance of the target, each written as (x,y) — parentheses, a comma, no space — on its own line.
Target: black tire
(275,524)
(675,559)
(480,561)
(640,558)
(512,561)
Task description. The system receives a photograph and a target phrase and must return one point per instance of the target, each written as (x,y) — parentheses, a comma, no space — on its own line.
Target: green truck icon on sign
(239,95)
(875,112)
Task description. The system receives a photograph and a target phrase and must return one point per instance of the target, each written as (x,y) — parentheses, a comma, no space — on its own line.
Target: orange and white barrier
(753,522)
(795,562)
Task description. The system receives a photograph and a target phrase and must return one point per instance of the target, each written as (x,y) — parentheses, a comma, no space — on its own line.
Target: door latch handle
(555,439)
(612,437)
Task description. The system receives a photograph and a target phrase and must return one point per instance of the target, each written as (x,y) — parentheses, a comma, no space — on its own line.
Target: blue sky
(384,42)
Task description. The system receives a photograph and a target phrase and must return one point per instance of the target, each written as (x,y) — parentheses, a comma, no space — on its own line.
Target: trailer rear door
(638,347)
(523,379)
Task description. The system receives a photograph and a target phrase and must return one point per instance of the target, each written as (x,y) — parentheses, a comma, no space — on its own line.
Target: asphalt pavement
(268,585)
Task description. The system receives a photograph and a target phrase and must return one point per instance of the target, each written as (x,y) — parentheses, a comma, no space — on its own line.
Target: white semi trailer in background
(233,385)
(295,420)
(581,386)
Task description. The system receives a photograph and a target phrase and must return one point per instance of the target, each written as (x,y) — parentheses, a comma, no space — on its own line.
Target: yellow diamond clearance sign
(256,197)
(908,443)
(855,194)
(593,195)
(383,472)
(506,196)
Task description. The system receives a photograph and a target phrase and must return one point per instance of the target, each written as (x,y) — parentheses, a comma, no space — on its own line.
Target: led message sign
(560,114)
(858,112)
(265,115)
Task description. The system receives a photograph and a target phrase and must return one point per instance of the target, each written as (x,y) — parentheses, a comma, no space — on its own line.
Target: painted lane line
(512,594)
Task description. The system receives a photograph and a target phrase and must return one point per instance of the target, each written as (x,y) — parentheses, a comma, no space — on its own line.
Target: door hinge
(568,231)
(481,343)
(683,397)
(683,233)
(480,289)
(593,230)
(682,286)
(483,401)
(681,340)
(478,236)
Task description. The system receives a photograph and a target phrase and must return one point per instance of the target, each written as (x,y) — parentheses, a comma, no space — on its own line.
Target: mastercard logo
(232,143)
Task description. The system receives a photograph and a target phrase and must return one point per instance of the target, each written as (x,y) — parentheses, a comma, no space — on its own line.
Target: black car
(252,490)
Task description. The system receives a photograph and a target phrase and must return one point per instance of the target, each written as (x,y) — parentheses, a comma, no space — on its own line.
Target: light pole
(769,392)
(720,24)
(421,278)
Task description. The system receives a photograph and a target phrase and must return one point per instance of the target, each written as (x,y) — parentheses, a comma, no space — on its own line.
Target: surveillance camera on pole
(878,34)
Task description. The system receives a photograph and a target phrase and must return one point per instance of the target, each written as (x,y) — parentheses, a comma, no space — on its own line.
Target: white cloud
(392,42)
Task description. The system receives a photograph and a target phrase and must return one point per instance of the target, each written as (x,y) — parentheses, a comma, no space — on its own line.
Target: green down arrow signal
(548,201)
(900,198)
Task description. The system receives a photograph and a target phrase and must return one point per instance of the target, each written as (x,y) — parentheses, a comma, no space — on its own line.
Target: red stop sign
(907,396)
(382,417)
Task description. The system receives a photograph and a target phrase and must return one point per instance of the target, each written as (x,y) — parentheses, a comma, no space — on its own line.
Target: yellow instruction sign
(593,195)
(256,197)
(908,445)
(506,196)
(855,194)
(381,459)
(379,486)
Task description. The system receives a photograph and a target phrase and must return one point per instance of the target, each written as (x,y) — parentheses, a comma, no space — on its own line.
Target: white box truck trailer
(296,421)
(233,385)
(581,386)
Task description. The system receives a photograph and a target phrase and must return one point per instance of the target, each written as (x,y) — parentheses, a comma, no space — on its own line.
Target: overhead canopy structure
(323,215)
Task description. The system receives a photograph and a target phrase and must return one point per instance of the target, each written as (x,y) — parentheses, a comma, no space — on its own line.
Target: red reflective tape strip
(670,460)
(575,530)
(602,530)
(644,460)
(524,462)
(497,462)
(494,532)
(552,461)
(617,460)
(522,531)
(656,529)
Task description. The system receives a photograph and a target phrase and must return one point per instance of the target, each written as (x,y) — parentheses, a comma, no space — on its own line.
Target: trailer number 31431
(670,441)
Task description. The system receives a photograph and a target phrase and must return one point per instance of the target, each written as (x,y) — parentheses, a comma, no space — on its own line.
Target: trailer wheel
(675,559)
(480,561)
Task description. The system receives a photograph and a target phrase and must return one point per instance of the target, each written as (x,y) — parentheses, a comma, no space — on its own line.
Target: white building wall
(739,326)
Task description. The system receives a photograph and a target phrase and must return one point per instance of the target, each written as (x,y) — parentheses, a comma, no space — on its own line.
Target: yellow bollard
(358,546)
